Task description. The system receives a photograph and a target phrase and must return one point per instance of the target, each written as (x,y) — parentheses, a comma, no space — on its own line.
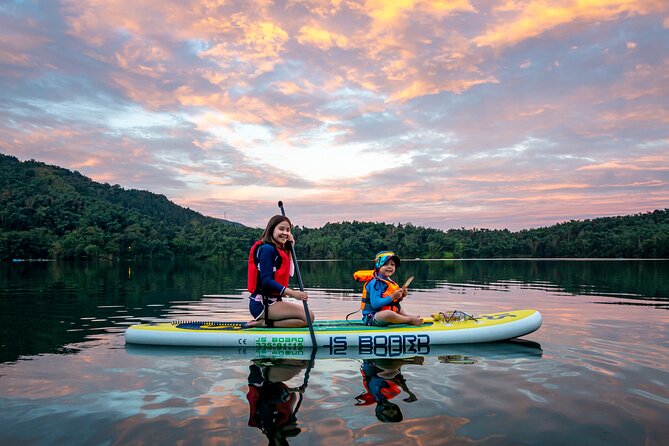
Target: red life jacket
(281,272)
(366,276)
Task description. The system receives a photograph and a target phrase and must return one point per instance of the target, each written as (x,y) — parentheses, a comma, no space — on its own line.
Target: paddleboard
(339,335)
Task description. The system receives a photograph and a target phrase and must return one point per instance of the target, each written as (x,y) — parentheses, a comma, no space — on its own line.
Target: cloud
(419,88)
(521,20)
(443,113)
(321,38)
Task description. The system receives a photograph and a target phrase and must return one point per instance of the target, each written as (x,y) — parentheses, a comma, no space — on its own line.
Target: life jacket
(281,269)
(366,276)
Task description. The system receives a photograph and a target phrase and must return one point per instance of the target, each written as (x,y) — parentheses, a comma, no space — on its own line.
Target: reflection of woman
(273,405)
(383,381)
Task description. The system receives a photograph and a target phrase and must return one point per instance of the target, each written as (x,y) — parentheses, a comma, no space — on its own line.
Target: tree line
(47,212)
(636,236)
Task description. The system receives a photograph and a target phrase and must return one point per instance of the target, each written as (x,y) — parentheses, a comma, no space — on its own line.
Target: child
(381,296)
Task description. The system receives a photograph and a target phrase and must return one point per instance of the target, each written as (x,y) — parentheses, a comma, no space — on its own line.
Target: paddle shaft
(299,282)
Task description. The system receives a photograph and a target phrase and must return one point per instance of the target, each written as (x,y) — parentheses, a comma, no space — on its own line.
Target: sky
(447,114)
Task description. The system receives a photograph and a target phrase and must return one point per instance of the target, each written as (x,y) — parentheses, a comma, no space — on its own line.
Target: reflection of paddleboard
(339,334)
(514,349)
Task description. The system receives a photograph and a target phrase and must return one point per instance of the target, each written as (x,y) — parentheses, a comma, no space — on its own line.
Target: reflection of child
(273,405)
(383,381)
(381,296)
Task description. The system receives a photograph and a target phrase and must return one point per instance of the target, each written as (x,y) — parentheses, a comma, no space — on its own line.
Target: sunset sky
(510,114)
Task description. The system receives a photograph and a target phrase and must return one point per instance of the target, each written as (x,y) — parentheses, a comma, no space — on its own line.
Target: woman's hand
(299,295)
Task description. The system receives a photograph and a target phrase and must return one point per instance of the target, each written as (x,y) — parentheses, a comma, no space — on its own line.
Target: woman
(269,268)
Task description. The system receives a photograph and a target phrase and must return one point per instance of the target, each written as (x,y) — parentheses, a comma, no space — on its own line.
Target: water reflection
(274,400)
(349,389)
(448,353)
(601,380)
(273,405)
(383,381)
(465,394)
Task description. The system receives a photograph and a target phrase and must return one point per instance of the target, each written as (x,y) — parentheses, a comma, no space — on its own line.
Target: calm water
(596,373)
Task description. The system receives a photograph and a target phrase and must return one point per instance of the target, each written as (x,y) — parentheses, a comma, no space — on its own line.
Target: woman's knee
(302,315)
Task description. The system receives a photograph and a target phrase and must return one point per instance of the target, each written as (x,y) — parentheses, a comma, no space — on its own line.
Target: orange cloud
(390,14)
(387,14)
(266,38)
(149,95)
(249,41)
(257,48)
(90,162)
(535,112)
(633,115)
(643,81)
(301,86)
(145,60)
(420,88)
(521,20)
(628,165)
(42,137)
(321,38)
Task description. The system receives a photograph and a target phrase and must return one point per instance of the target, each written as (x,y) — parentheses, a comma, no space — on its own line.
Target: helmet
(383,257)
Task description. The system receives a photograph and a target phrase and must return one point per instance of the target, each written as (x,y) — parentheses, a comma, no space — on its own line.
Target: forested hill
(51,212)
(634,236)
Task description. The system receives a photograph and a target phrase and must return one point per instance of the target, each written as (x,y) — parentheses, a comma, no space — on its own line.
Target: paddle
(299,281)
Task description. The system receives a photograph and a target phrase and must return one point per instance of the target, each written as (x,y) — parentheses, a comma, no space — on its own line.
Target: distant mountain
(50,212)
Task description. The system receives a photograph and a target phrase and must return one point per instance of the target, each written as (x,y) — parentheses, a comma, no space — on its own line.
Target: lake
(595,373)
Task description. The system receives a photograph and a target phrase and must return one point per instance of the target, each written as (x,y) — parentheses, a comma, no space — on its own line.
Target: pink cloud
(518,21)
(495,114)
